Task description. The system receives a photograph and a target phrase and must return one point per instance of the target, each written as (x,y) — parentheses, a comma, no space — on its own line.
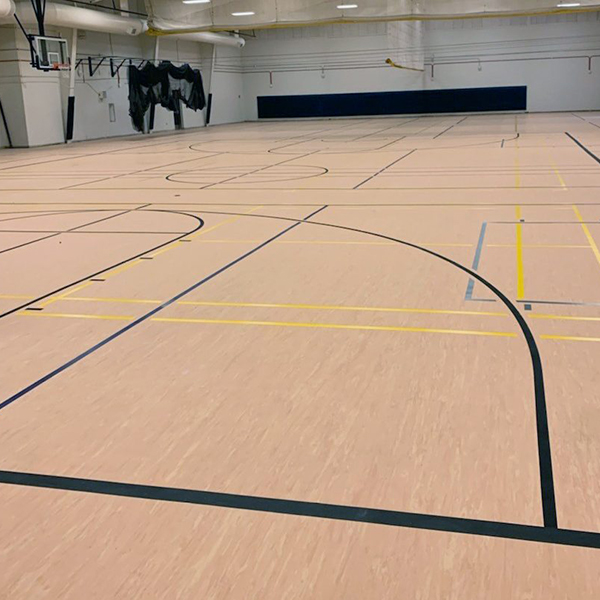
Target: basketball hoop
(49,53)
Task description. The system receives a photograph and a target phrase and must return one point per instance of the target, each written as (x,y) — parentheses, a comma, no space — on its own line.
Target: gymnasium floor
(323,359)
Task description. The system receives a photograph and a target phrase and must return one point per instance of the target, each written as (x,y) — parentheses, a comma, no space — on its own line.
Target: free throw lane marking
(587,233)
(519,247)
(333,326)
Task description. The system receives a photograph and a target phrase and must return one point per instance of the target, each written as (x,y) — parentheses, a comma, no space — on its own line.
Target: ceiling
(216,15)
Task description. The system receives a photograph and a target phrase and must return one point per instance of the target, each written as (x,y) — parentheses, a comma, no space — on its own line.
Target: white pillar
(210,84)
(156,47)
(71,99)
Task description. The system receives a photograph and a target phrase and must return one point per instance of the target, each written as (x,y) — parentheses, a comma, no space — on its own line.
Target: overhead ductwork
(75,17)
(178,31)
(207,37)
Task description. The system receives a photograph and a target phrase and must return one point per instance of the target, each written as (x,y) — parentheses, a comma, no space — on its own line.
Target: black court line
(263,168)
(406,122)
(333,205)
(337,512)
(137,172)
(47,237)
(384,169)
(32,214)
(313,189)
(271,151)
(561,302)
(148,315)
(585,120)
(589,152)
(318,189)
(40,239)
(443,132)
(56,233)
(80,156)
(320,171)
(200,223)
(324,151)
(328,152)
(548,495)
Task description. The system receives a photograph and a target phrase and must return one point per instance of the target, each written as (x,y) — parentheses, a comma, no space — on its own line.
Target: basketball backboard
(49,53)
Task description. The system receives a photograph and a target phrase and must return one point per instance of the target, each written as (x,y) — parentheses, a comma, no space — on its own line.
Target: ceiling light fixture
(345,6)
(196,1)
(242,14)
(569,5)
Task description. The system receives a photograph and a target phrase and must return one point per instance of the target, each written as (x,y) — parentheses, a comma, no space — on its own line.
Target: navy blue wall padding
(393,103)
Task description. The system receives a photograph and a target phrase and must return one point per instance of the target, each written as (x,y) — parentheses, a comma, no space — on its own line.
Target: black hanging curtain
(166,85)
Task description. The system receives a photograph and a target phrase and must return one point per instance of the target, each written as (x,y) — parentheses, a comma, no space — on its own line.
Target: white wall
(92,110)
(31,99)
(11,93)
(554,81)
(35,102)
(227,88)
(320,60)
(545,53)
(92,114)
(350,58)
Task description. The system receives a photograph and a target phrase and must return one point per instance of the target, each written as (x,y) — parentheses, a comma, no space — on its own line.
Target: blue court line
(475,266)
(120,332)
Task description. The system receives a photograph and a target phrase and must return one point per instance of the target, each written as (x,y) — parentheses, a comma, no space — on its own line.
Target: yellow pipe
(390,62)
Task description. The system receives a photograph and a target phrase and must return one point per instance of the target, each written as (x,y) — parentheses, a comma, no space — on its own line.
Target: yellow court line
(433,311)
(122,268)
(453,245)
(517,165)
(538,245)
(562,317)
(175,243)
(204,231)
(588,235)
(138,261)
(554,167)
(307,325)
(114,300)
(62,296)
(348,308)
(570,338)
(558,175)
(519,246)
(208,230)
(213,227)
(77,316)
(163,250)
(334,326)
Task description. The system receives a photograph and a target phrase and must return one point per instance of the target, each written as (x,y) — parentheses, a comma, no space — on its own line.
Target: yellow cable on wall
(390,62)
